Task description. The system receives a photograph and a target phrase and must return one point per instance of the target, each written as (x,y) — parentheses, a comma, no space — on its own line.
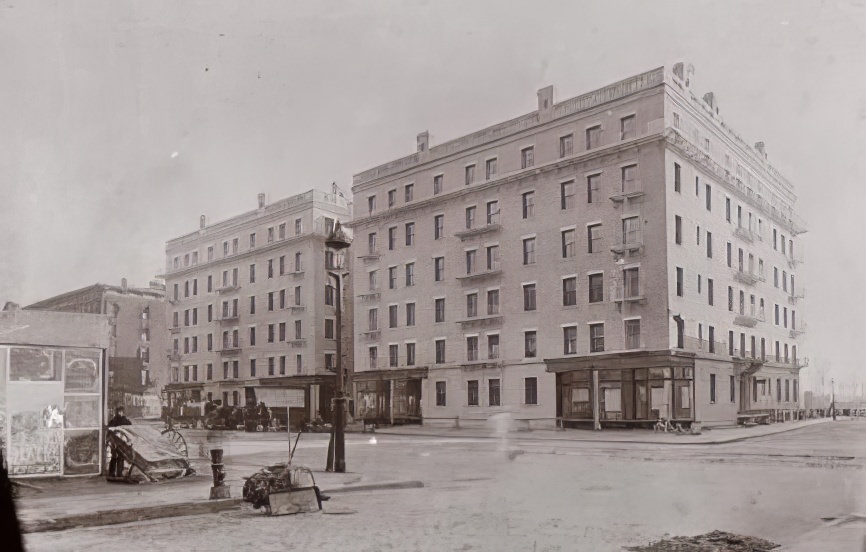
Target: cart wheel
(177,440)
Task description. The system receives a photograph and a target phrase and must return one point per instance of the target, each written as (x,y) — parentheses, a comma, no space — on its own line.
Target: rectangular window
(281,232)
(631,230)
(439,269)
(709,192)
(439,309)
(492,212)
(373,320)
(252,273)
(529,251)
(440,351)
(371,208)
(410,274)
(728,209)
(437,184)
(471,265)
(569,292)
(470,217)
(252,240)
(493,301)
(392,238)
(408,192)
(527,157)
(252,367)
(596,288)
(529,297)
(528,204)
(566,195)
(493,257)
(627,127)
(709,245)
(410,354)
(298,261)
(710,291)
(392,277)
(569,340)
(631,282)
(529,342)
(596,338)
(472,348)
(471,305)
(492,346)
(472,392)
(729,254)
(410,233)
(282,331)
(593,137)
(568,249)
(566,145)
(678,170)
(680,280)
(490,168)
(494,398)
(712,388)
(593,237)
(438,226)
(410,314)
(632,334)
(530,390)
(678,229)
(392,316)
(271,333)
(593,188)
(440,391)
(470,174)
(628,179)
(393,356)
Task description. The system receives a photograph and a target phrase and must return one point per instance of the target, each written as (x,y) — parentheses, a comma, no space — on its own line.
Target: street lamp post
(338,241)
(833,398)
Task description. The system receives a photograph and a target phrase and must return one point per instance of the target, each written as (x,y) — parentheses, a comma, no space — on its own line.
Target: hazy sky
(279,97)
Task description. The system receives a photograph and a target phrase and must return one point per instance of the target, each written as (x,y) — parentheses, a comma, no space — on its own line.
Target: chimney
(202,222)
(123,285)
(760,147)
(710,100)
(423,141)
(261,201)
(545,102)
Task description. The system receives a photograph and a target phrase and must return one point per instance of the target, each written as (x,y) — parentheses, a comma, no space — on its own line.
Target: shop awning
(622,360)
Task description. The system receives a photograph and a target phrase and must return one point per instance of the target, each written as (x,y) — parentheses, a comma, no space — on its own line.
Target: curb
(377,487)
(113,517)
(516,436)
(179,509)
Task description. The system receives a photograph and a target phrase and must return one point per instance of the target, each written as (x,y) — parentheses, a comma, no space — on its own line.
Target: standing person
(115,466)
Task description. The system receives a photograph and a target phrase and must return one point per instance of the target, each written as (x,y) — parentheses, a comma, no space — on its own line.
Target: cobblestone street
(558,495)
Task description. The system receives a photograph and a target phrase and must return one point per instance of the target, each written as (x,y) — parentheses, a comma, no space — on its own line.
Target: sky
(123,121)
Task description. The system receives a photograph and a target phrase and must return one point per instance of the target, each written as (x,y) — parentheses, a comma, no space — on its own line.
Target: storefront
(389,396)
(624,389)
(52,397)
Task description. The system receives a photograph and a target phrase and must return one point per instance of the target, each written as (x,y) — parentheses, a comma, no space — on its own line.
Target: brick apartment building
(252,308)
(609,259)
(137,363)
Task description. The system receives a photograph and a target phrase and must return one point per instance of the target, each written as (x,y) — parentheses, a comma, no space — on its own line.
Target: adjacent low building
(610,259)
(52,391)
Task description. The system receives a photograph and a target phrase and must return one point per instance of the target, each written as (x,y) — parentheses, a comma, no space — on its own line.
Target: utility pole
(833,398)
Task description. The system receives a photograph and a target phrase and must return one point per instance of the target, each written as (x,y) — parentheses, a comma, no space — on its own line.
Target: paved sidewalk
(643,436)
(57,504)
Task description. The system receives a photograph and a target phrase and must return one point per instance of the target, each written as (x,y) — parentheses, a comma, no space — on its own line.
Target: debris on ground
(714,541)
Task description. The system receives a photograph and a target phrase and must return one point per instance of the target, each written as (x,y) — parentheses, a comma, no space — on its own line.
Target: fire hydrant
(219,489)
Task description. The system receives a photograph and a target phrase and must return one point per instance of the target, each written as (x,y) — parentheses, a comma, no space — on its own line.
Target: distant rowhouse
(137,318)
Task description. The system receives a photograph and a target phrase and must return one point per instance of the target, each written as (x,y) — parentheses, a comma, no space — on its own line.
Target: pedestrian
(115,466)
(9,526)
